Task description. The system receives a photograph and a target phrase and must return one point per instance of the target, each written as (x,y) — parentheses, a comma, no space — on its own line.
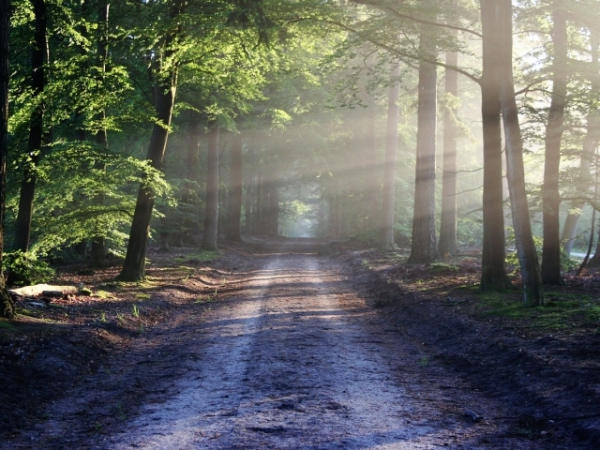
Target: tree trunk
(135,259)
(493,270)
(372,187)
(250,198)
(98,243)
(447,245)
(595,260)
(272,225)
(7,306)
(389,175)
(235,190)
(189,201)
(262,203)
(424,248)
(36,129)
(211,216)
(528,260)
(554,131)
(590,143)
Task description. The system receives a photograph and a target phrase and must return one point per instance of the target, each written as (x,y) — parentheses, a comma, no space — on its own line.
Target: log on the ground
(46,290)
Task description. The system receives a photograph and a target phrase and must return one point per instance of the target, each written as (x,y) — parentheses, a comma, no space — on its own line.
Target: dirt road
(296,359)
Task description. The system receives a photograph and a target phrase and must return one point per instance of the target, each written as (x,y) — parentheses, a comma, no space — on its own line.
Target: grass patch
(148,283)
(443,267)
(103,295)
(562,310)
(6,326)
(199,257)
(142,296)
(30,312)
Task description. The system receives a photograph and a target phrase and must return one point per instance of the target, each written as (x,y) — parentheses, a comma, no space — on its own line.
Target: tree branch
(415,19)
(402,54)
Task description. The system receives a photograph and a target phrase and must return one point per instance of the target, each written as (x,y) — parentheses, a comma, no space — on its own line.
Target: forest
(417,132)
(155,121)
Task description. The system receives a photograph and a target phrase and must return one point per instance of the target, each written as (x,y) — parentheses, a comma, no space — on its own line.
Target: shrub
(24,268)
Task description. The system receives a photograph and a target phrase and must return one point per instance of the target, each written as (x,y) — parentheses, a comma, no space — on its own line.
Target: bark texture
(424,248)
(7,306)
(36,128)
(389,175)
(515,172)
(493,270)
(447,245)
(164,100)
(211,216)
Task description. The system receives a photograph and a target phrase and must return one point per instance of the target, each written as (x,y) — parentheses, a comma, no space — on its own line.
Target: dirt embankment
(549,378)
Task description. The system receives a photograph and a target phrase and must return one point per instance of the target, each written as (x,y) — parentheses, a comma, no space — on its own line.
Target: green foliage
(25,268)
(83,193)
(512,259)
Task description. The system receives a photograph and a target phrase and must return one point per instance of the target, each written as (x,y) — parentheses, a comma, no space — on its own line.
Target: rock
(472,415)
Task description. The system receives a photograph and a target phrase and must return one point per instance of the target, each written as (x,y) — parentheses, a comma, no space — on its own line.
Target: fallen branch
(46,290)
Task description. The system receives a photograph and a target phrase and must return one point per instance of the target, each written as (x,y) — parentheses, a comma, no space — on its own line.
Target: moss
(443,267)
(561,311)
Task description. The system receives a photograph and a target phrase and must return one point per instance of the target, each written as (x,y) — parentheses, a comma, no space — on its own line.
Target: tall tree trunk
(391,154)
(515,172)
(263,203)
(164,100)
(36,128)
(98,242)
(447,245)
(554,131)
(272,226)
(235,189)
(423,247)
(590,143)
(371,167)
(189,197)
(211,216)
(250,197)
(7,306)
(493,270)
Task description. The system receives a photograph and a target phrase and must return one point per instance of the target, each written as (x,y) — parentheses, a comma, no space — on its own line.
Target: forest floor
(301,344)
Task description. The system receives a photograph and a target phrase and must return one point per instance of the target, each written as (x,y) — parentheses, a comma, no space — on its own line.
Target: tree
(447,245)
(590,142)
(554,131)
(528,260)
(493,271)
(98,242)
(37,129)
(235,189)
(391,152)
(165,61)
(7,307)
(423,247)
(211,215)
